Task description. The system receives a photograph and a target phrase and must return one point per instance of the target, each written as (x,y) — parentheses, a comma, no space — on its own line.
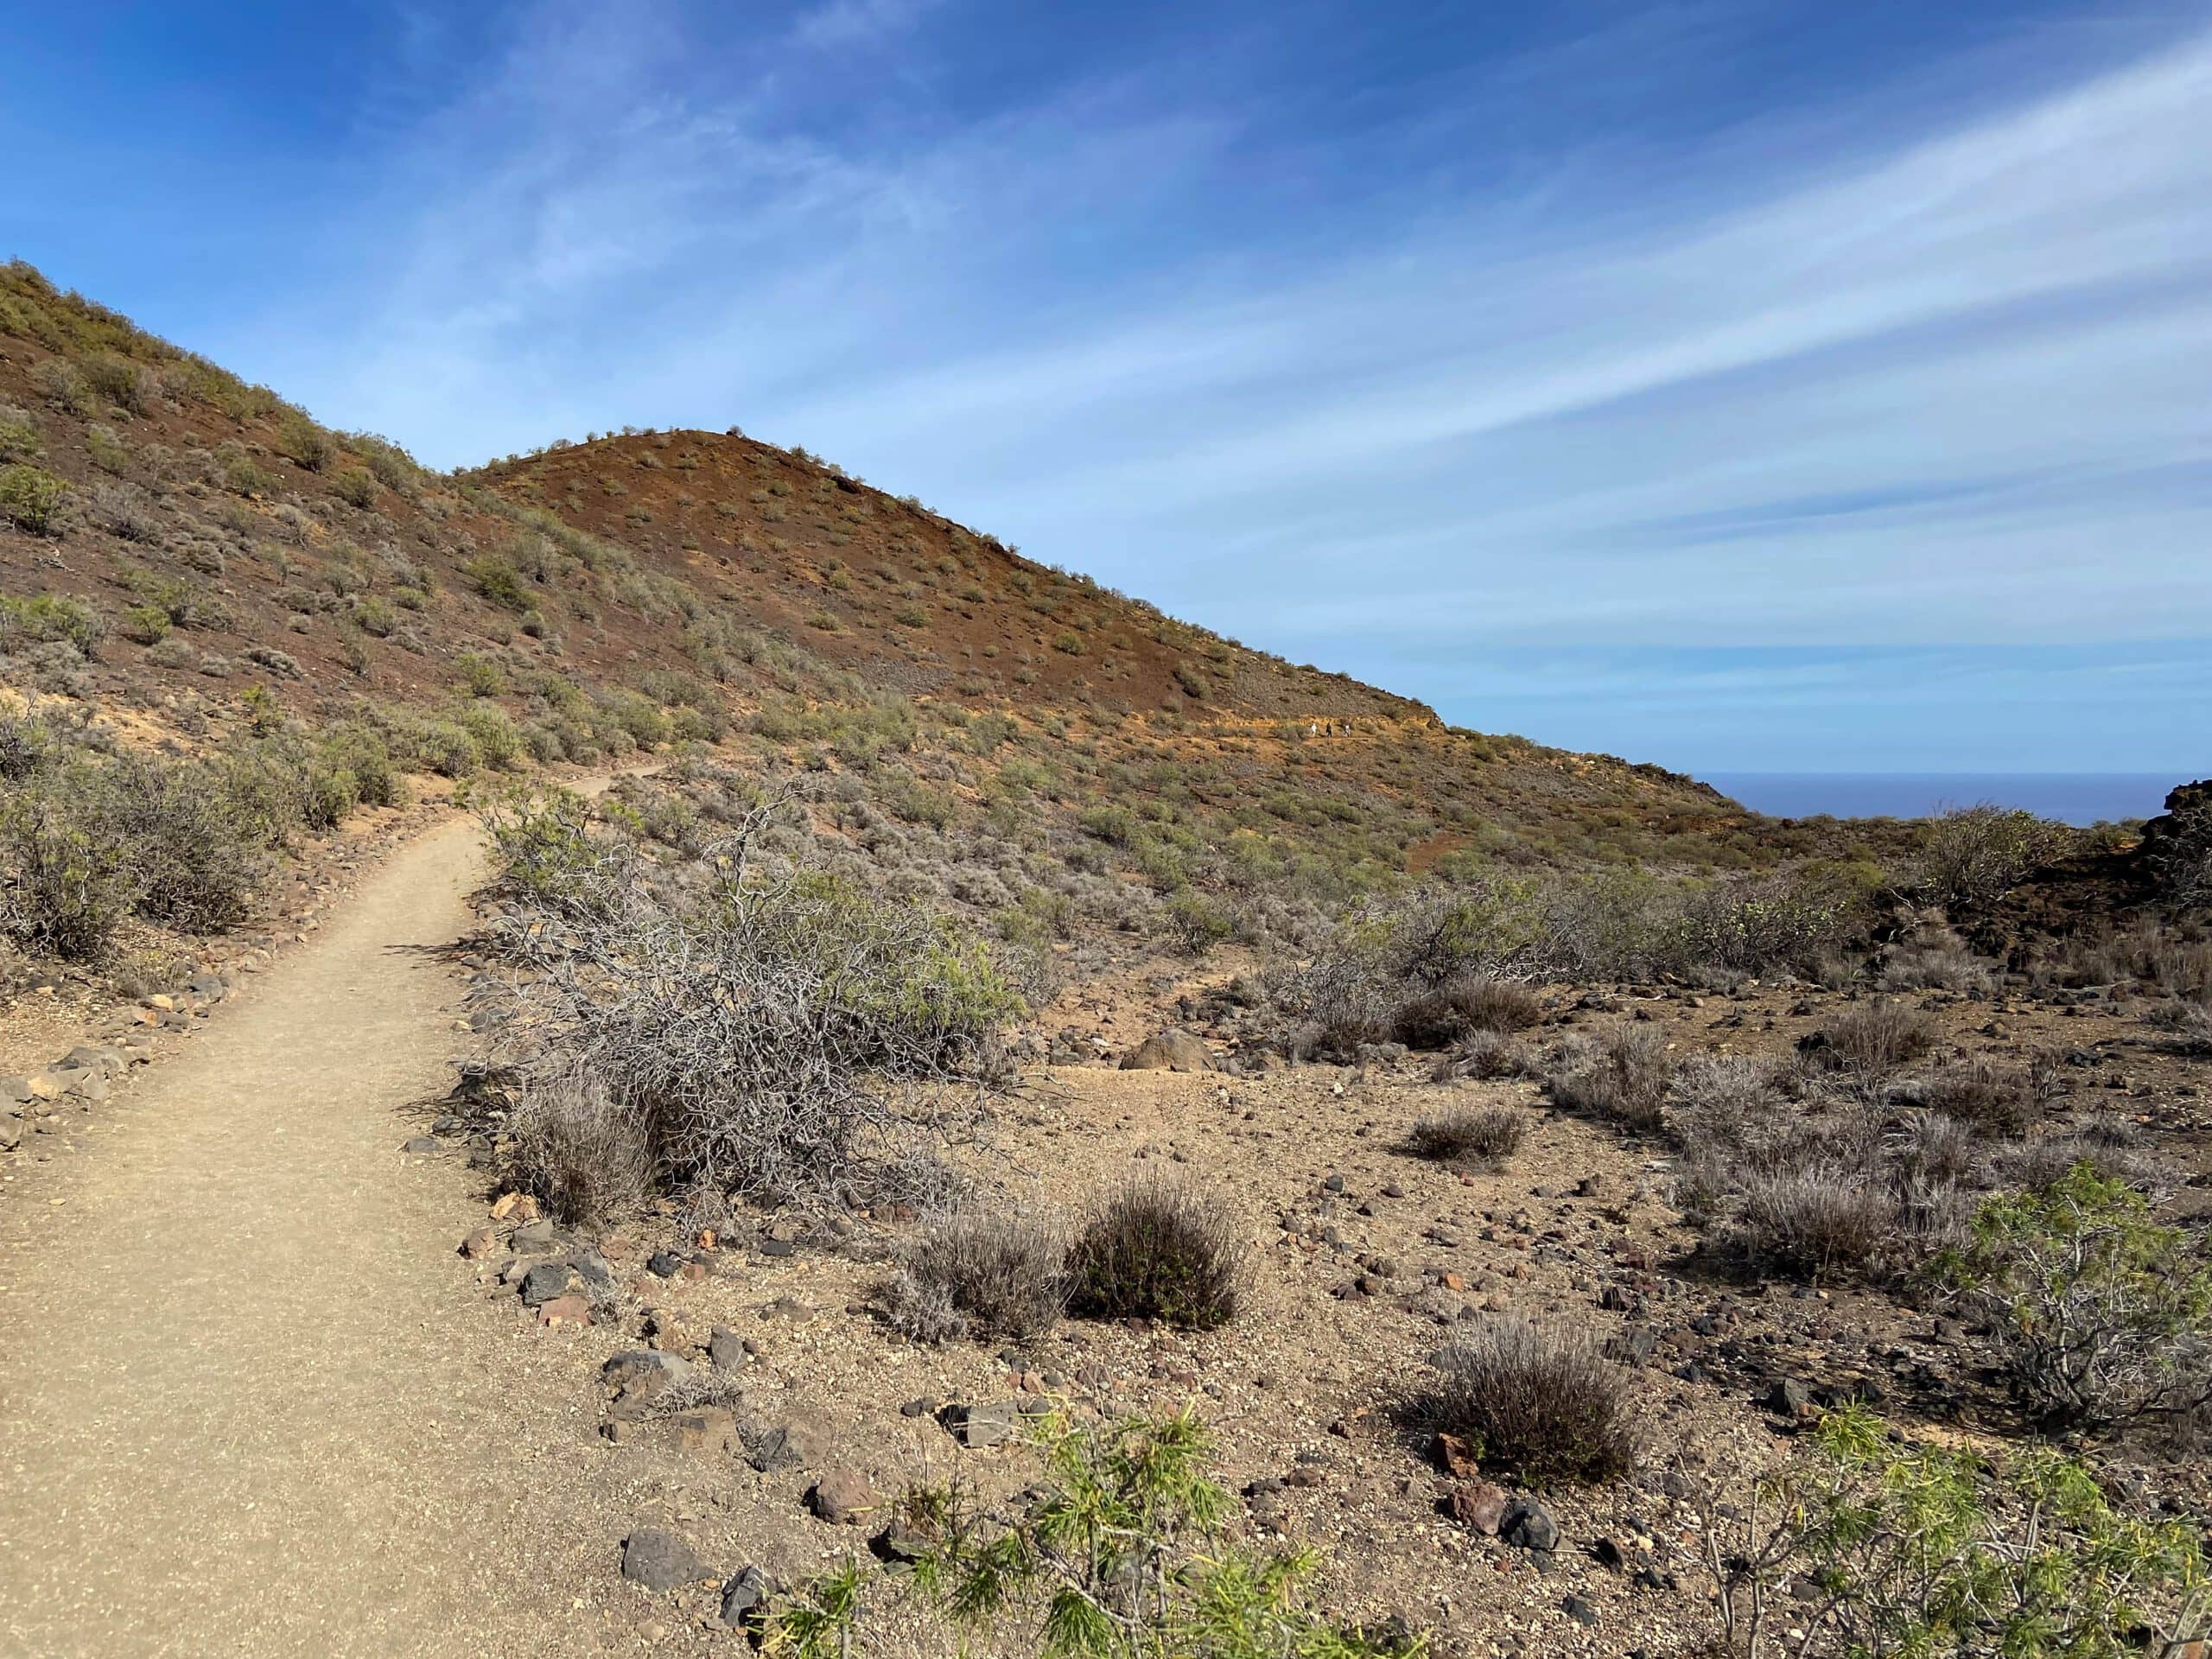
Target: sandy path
(247,1403)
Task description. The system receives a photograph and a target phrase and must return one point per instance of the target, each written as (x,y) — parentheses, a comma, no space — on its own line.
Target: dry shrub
(1539,1404)
(2187,1025)
(1817,1218)
(1620,1075)
(1872,1040)
(1158,1251)
(765,1031)
(1730,1089)
(1942,964)
(1994,1100)
(1487,1055)
(582,1159)
(1487,1134)
(1931,1149)
(1440,1017)
(2043,1160)
(982,1275)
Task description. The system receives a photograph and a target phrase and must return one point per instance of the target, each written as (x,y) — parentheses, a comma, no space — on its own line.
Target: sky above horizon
(1738,387)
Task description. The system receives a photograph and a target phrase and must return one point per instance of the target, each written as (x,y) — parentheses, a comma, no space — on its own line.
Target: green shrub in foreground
(29,496)
(1122,1558)
(1868,1549)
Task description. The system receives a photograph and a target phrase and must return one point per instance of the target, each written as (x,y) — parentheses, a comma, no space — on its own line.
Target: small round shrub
(1541,1405)
(1157,1250)
(1621,1075)
(580,1156)
(1487,1134)
(980,1274)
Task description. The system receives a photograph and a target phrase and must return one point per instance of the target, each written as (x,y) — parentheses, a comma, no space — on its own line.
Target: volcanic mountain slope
(173,538)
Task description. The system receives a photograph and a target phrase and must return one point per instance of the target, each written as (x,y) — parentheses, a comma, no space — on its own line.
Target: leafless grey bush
(765,1030)
(1620,1075)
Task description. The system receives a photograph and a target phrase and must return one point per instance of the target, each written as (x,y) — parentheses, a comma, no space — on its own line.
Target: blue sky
(1734,385)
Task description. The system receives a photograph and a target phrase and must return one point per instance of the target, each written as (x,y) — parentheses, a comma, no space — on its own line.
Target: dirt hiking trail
(248,1405)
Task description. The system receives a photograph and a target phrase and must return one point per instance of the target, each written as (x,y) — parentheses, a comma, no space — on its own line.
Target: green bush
(146,624)
(2103,1315)
(1973,855)
(49,619)
(300,440)
(197,834)
(68,876)
(1868,1549)
(493,576)
(1195,923)
(19,439)
(1121,1556)
(355,485)
(498,742)
(29,496)
(480,675)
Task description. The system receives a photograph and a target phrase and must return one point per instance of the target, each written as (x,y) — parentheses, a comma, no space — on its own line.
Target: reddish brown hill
(901,595)
(174,541)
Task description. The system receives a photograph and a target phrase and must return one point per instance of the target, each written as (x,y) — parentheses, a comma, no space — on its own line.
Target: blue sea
(2069,796)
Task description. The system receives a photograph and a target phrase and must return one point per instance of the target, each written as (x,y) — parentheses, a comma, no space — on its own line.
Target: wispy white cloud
(1934,386)
(842,25)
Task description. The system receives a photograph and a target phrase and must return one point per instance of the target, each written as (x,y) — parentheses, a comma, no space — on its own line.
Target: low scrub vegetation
(570,1147)
(760,1025)
(1470,1136)
(1157,1250)
(1620,1075)
(1534,1403)
(1122,1554)
(90,837)
(981,1273)
(2104,1315)
(1864,1546)
(1972,856)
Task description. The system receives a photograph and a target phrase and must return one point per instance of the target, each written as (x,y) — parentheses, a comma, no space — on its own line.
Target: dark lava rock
(661,1560)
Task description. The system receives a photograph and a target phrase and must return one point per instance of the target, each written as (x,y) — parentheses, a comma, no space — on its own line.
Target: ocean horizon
(2076,798)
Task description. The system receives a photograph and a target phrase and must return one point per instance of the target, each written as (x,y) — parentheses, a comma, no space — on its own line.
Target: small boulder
(637,1377)
(843,1497)
(1788,1398)
(1170,1050)
(727,1349)
(788,1445)
(976,1426)
(662,1562)
(544,1282)
(571,1309)
(709,1432)
(743,1596)
(1479,1504)
(1529,1525)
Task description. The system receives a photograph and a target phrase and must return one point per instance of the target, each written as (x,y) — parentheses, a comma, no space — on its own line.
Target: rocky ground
(747,1366)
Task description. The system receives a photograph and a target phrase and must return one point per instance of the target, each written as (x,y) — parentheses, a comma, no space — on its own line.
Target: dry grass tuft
(1487,1134)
